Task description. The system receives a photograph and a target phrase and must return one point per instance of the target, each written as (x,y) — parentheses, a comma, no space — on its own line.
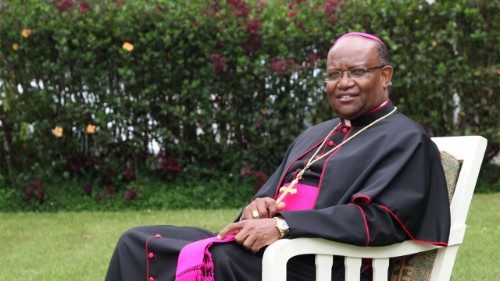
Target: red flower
(253,26)
(128,174)
(64,5)
(240,7)
(246,171)
(254,40)
(107,178)
(109,191)
(283,67)
(329,7)
(90,162)
(260,179)
(35,190)
(253,43)
(74,164)
(83,7)
(159,8)
(131,194)
(118,2)
(87,188)
(219,63)
(169,164)
(311,59)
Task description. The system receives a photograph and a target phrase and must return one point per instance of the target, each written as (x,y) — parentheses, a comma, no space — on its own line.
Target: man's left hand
(253,235)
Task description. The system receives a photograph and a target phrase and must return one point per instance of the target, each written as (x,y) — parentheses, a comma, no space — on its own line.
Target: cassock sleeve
(399,200)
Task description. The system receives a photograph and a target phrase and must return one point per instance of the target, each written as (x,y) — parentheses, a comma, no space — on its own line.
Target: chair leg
(324,267)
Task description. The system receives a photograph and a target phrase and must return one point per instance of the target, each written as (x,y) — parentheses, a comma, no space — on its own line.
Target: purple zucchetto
(360,34)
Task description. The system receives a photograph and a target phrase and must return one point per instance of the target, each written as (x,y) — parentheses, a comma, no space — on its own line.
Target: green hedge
(219,85)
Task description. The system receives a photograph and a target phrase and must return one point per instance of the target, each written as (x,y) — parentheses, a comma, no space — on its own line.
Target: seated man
(370,177)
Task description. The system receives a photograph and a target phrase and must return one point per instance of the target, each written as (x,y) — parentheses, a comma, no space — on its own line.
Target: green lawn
(77,246)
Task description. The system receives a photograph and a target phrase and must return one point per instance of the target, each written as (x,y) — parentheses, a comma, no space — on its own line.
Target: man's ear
(386,76)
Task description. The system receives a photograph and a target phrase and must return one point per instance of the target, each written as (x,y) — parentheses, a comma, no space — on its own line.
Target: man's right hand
(261,208)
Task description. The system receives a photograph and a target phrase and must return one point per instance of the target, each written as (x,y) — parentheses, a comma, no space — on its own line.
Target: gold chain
(290,188)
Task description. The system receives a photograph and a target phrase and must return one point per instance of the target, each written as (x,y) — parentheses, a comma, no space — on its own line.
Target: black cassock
(384,186)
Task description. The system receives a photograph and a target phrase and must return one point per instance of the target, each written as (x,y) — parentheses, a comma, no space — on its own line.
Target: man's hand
(252,235)
(261,208)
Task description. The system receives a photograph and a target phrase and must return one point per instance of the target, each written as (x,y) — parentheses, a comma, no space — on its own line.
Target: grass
(77,246)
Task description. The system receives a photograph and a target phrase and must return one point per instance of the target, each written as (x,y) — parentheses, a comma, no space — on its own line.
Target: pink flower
(83,7)
(219,63)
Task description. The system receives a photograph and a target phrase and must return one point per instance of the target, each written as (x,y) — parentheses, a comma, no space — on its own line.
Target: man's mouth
(347,96)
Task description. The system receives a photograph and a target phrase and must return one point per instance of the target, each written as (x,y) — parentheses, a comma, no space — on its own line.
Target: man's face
(351,97)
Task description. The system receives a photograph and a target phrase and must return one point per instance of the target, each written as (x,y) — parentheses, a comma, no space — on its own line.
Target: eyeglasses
(357,72)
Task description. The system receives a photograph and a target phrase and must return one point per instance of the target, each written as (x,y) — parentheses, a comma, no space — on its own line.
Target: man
(370,177)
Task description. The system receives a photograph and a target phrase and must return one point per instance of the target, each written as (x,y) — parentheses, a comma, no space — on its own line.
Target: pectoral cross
(285,190)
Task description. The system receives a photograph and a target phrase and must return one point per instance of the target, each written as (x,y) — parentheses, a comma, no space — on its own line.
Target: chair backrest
(468,149)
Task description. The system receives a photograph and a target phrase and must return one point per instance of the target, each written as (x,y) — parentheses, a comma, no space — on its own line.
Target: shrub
(90,88)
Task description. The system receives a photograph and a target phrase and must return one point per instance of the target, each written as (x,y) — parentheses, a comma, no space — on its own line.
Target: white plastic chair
(468,149)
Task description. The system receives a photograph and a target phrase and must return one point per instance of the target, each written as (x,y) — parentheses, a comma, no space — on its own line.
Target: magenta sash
(195,260)
(304,199)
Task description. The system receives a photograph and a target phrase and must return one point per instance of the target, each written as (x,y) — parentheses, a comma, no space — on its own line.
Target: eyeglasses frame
(368,70)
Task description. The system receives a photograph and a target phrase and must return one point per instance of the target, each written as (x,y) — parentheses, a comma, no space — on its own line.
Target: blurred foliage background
(104,98)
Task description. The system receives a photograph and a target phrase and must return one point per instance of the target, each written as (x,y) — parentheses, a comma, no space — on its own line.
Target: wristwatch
(282,226)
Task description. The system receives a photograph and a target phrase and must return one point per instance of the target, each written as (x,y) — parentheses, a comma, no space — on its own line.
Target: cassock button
(151,255)
(331,143)
(158,235)
(151,278)
(344,130)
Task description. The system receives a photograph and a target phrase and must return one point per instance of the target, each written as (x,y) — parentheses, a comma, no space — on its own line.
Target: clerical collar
(370,116)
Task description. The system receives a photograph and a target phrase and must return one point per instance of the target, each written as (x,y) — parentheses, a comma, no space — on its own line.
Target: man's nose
(345,81)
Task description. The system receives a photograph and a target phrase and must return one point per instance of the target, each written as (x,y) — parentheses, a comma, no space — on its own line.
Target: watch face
(282,224)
